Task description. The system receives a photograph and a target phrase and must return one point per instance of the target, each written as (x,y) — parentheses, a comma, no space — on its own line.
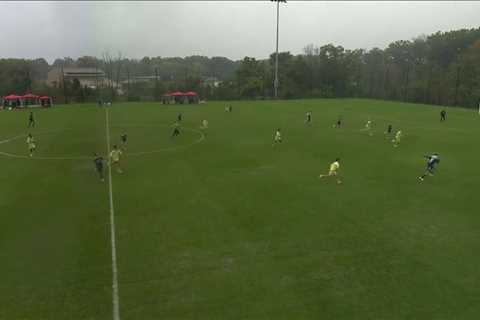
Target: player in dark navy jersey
(98,160)
(123,138)
(443,115)
(176,130)
(31,120)
(432,161)
(308,117)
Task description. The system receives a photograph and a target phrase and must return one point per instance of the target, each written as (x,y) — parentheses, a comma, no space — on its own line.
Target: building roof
(82,71)
(144,77)
(134,79)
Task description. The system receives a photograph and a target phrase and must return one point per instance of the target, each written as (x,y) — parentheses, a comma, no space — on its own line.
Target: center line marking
(115,298)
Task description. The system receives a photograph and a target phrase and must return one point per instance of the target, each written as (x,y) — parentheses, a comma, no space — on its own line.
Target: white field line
(132,154)
(25,135)
(173,148)
(18,156)
(13,138)
(11,155)
(115,298)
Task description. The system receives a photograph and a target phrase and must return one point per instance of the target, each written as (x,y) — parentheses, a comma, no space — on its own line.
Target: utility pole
(275,81)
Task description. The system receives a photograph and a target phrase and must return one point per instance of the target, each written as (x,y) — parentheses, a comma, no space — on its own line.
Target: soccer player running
(31,120)
(389,129)
(123,139)
(114,160)
(204,125)
(308,118)
(443,115)
(338,124)
(333,172)
(31,144)
(369,127)
(397,139)
(179,117)
(432,161)
(176,130)
(98,160)
(277,138)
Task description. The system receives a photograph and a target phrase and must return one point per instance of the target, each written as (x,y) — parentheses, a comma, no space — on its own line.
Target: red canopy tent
(30,99)
(45,101)
(176,97)
(26,100)
(192,96)
(30,96)
(181,97)
(12,97)
(12,100)
(168,98)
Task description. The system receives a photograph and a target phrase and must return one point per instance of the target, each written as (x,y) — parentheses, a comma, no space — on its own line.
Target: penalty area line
(115,297)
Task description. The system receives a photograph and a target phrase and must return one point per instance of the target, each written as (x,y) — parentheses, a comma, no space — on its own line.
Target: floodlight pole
(275,82)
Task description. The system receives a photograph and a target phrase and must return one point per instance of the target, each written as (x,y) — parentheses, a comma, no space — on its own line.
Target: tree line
(442,68)
(197,73)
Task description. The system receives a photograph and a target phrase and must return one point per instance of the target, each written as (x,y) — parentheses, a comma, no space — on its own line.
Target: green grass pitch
(229,227)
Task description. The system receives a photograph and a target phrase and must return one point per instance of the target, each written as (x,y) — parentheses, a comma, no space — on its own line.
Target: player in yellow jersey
(333,172)
(397,139)
(277,138)
(114,160)
(369,127)
(31,144)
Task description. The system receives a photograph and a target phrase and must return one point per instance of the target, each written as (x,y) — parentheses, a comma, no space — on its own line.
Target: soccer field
(223,225)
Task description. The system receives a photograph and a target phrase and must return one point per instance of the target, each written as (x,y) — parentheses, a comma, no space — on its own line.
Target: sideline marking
(115,298)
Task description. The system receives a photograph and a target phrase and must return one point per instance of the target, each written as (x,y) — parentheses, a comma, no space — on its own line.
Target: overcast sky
(233,29)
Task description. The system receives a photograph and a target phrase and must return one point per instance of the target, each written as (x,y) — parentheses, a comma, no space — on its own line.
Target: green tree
(249,78)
